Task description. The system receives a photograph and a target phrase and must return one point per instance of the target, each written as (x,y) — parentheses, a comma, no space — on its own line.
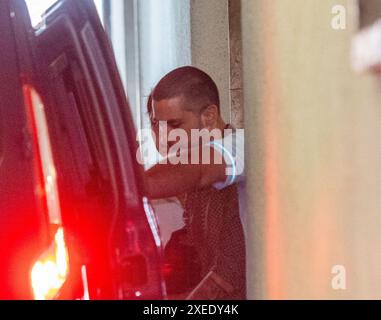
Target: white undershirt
(232,148)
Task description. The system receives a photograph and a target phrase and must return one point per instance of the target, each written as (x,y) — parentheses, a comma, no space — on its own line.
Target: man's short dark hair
(196,87)
(149,107)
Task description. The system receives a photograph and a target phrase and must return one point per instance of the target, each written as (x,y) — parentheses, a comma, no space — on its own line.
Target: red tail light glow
(50,272)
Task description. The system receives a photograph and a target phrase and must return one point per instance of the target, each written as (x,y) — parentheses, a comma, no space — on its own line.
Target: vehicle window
(68,123)
(76,133)
(114,118)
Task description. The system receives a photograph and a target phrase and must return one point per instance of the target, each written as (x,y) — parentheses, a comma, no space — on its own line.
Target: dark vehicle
(73,219)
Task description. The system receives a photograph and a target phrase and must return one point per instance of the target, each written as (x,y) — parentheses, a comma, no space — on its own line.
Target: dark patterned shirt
(215,231)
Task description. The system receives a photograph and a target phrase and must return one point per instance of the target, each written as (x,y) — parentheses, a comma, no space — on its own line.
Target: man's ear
(209,117)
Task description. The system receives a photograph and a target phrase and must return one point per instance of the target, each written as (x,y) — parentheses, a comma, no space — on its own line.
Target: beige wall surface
(313,137)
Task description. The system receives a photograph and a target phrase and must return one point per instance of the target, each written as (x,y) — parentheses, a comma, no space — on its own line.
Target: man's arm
(168,180)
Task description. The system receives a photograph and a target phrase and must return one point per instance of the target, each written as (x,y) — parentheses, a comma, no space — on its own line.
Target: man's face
(173,112)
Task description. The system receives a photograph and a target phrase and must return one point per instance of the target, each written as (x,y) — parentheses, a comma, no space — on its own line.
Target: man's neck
(221,125)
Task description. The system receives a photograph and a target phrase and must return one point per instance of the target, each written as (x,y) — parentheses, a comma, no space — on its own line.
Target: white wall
(164,38)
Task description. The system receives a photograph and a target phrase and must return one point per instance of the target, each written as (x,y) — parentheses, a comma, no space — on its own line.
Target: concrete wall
(313,132)
(236,77)
(210,45)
